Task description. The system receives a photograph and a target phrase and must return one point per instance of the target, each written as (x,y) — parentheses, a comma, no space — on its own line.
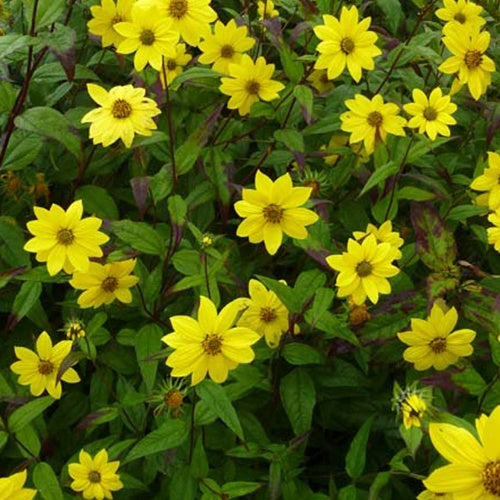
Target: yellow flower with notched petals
(461,13)
(266,10)
(11,487)
(494,232)
(489,181)
(320,81)
(95,477)
(210,343)
(175,65)
(63,239)
(274,208)
(413,408)
(39,369)
(383,234)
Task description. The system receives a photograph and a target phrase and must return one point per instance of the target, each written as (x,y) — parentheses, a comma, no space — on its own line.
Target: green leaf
(322,302)
(214,396)
(239,488)
(47,12)
(139,235)
(177,208)
(4,437)
(291,138)
(301,354)
(12,237)
(356,456)
(415,194)
(161,184)
(298,397)
(147,343)
(21,417)
(392,13)
(331,325)
(294,69)
(462,212)
(286,294)
(97,201)
(22,150)
(305,98)
(46,482)
(182,484)
(470,380)
(380,175)
(412,438)
(199,462)
(308,282)
(26,298)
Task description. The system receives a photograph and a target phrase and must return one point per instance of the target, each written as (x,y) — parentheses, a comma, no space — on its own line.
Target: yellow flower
(265,313)
(364,269)
(474,469)
(248,82)
(494,232)
(433,115)
(371,120)
(319,80)
(150,36)
(489,181)
(469,61)
(11,487)
(273,208)
(461,12)
(210,343)
(63,239)
(74,329)
(106,16)
(105,283)
(346,42)
(175,65)
(383,234)
(336,141)
(431,495)
(39,370)
(413,408)
(434,343)
(95,477)
(226,45)
(124,111)
(266,10)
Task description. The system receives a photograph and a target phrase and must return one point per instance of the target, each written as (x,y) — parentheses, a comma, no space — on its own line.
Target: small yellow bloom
(320,81)
(175,65)
(434,343)
(248,82)
(383,234)
(11,487)
(494,232)
(336,141)
(346,42)
(489,181)
(95,477)
(124,111)
(274,208)
(210,343)
(266,10)
(433,115)
(63,239)
(74,329)
(105,283)
(413,408)
(371,120)
(461,13)
(39,370)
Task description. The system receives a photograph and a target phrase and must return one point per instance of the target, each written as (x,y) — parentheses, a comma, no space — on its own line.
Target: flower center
(252,87)
(267,314)
(273,213)
(110,284)
(491,478)
(346,45)
(116,19)
(178,8)
(45,367)
(147,37)
(438,345)
(375,119)
(174,398)
(65,237)
(430,114)
(227,51)
(473,59)
(324,78)
(364,269)
(460,17)
(212,344)
(121,109)
(314,184)
(171,64)
(94,476)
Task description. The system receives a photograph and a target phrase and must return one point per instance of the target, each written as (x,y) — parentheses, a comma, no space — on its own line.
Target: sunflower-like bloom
(105,283)
(320,81)
(431,495)
(124,111)
(434,343)
(383,234)
(370,120)
(364,269)
(431,115)
(266,10)
(39,369)
(248,82)
(63,239)
(489,181)
(106,16)
(461,13)
(264,313)
(175,65)
(474,468)
(274,208)
(210,343)
(346,42)
(11,487)
(469,61)
(413,408)
(494,232)
(95,477)
(225,46)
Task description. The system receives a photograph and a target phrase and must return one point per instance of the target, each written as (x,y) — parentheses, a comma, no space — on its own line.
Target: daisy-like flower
(434,343)
(74,329)
(105,283)
(474,468)
(175,65)
(63,239)
(383,234)
(489,181)
(11,487)
(210,343)
(431,115)
(431,495)
(461,13)
(264,313)
(95,477)
(248,82)
(364,269)
(124,111)
(225,46)
(106,16)
(469,61)
(346,42)
(371,120)
(39,369)
(274,208)
(150,36)
(494,232)
(413,408)
(319,80)
(266,10)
